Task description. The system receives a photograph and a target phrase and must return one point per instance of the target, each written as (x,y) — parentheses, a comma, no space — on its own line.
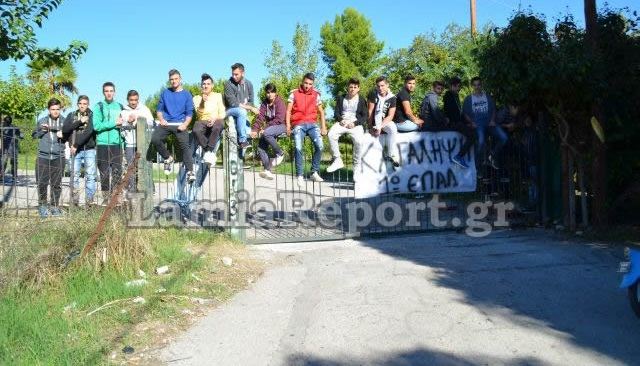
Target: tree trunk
(584,209)
(599,167)
(571,191)
(564,151)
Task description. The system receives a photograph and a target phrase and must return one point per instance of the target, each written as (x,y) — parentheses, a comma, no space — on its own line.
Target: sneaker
(43,211)
(337,164)
(56,211)
(300,180)
(395,160)
(209,158)
(191,177)
(491,161)
(316,177)
(168,165)
(244,144)
(459,161)
(278,160)
(267,175)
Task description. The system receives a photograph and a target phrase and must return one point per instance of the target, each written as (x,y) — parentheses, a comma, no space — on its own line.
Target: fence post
(233,182)
(144,177)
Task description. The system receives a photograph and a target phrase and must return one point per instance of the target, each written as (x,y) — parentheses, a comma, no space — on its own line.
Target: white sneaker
(316,177)
(191,177)
(168,165)
(278,160)
(209,158)
(337,164)
(300,181)
(267,175)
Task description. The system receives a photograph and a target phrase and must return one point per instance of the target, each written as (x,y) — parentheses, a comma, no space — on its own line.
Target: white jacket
(129,133)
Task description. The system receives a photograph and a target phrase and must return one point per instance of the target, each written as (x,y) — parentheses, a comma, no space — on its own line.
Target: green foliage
(433,57)
(20,99)
(286,68)
(350,49)
(17,30)
(515,63)
(564,75)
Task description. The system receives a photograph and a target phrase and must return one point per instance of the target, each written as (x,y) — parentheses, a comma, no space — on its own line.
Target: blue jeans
(88,158)
(499,139)
(240,116)
(313,131)
(407,126)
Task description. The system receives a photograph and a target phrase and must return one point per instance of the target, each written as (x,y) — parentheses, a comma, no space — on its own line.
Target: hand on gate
(183,127)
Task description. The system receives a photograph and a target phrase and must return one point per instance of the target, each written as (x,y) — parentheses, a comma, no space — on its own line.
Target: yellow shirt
(213,107)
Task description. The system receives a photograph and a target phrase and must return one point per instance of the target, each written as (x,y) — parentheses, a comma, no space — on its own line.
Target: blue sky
(135,43)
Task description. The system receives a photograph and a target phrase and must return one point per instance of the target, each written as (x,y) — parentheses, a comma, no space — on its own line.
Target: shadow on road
(416,357)
(539,280)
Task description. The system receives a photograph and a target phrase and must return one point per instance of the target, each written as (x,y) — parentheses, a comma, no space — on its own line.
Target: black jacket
(81,135)
(452,107)
(362,113)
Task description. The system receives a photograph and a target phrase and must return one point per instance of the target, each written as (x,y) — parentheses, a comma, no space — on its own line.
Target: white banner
(425,165)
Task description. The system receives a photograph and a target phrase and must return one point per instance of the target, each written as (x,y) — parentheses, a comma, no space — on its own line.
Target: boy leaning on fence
(50,163)
(82,141)
(129,116)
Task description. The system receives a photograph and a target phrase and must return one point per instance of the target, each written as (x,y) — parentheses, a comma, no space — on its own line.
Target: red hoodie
(305,106)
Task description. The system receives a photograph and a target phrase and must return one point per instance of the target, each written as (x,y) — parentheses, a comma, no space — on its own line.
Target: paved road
(514,298)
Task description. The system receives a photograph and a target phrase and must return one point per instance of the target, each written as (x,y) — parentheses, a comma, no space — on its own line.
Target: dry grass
(38,289)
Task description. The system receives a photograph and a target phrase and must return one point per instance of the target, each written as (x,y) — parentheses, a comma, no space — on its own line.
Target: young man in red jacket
(301,119)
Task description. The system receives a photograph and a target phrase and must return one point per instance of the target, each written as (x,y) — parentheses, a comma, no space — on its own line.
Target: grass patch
(85,313)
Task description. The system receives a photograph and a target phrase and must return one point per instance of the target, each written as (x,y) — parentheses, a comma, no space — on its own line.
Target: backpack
(101,106)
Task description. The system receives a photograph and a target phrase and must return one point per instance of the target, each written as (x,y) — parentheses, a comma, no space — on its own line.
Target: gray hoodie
(50,145)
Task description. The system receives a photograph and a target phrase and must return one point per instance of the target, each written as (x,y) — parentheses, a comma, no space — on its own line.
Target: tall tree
(18,20)
(350,49)
(286,68)
(59,76)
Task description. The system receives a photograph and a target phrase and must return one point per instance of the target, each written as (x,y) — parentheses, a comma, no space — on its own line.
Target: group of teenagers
(99,137)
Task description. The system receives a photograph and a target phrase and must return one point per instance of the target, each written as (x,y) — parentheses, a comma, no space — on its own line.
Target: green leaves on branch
(286,68)
(21,99)
(350,49)
(18,20)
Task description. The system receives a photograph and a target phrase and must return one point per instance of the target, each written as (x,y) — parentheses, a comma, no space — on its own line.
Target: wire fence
(259,196)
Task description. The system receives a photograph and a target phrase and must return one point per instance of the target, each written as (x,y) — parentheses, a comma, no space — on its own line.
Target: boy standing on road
(50,165)
(82,142)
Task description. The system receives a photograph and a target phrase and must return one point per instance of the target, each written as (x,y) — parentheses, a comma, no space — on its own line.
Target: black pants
(159,137)
(465,130)
(207,137)
(109,160)
(49,173)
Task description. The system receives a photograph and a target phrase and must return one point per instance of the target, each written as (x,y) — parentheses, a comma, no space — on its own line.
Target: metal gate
(232,195)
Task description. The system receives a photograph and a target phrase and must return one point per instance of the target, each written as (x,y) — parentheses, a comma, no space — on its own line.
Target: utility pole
(472,4)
